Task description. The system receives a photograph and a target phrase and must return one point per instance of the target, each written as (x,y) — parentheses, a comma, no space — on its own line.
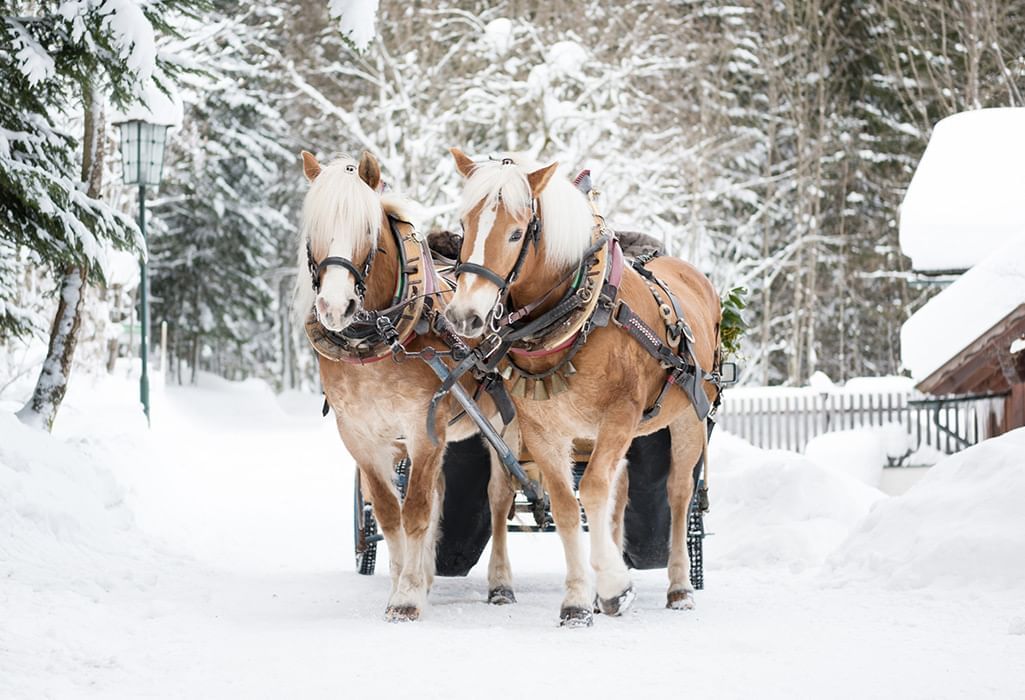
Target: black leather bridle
(359,275)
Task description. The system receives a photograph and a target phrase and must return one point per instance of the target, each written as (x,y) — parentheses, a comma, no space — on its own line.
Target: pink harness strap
(430,274)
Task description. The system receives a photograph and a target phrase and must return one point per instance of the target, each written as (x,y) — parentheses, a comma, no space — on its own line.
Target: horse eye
(516,235)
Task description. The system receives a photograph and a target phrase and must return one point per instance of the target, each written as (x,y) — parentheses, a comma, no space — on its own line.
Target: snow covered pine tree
(229,196)
(59,60)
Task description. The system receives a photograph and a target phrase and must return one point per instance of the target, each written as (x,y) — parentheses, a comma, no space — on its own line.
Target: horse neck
(538,278)
(383,272)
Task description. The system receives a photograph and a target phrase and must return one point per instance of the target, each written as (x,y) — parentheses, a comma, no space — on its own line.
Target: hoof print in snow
(680,600)
(402,613)
(503,595)
(575,617)
(617,605)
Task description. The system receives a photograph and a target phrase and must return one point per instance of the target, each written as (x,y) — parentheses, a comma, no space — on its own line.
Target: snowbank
(963,523)
(772,507)
(965,197)
(63,522)
(962,312)
(861,453)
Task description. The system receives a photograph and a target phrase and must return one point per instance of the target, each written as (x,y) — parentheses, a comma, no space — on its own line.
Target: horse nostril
(476,323)
(350,308)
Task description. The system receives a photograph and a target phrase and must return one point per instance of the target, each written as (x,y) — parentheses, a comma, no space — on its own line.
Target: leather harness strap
(681,365)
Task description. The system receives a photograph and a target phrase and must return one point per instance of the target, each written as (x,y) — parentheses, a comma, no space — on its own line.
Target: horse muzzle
(467,323)
(333,317)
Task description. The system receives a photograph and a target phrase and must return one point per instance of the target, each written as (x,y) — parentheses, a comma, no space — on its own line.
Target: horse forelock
(564,212)
(340,208)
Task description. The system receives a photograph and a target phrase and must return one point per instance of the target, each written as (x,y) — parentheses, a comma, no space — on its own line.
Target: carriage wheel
(364,529)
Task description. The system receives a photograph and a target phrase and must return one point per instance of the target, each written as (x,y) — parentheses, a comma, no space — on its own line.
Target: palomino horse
(351,243)
(525,233)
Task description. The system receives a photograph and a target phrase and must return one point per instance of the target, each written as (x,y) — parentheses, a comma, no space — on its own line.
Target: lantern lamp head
(142,151)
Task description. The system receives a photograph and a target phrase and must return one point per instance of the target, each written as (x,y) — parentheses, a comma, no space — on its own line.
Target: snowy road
(218,564)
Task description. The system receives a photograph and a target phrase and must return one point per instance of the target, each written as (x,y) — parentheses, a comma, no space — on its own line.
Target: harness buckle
(488,345)
(673,335)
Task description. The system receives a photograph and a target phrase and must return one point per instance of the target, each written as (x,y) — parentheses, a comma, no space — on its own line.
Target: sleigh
(466,517)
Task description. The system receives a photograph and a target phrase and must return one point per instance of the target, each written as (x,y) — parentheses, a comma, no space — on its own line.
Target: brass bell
(559,384)
(540,390)
(507,372)
(519,388)
(569,369)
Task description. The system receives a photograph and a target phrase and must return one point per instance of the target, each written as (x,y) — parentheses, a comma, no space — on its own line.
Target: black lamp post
(142,155)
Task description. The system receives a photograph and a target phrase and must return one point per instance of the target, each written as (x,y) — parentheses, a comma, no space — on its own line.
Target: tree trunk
(52,384)
(41,409)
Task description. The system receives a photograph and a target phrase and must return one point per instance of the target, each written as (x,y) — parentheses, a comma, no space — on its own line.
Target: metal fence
(789,418)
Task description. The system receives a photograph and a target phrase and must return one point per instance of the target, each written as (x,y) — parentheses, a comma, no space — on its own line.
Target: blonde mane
(565,215)
(340,207)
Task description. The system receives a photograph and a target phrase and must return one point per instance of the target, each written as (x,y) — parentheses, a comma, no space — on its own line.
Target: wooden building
(963,226)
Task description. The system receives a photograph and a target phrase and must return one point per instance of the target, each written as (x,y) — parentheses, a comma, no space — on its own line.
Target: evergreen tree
(225,209)
(59,60)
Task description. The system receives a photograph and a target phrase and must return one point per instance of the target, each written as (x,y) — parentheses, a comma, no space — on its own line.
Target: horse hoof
(503,595)
(680,600)
(575,617)
(617,605)
(402,613)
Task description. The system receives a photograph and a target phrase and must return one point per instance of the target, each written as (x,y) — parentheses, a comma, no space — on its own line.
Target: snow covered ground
(212,557)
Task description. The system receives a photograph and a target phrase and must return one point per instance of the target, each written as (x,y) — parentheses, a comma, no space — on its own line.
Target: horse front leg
(551,451)
(597,491)
(377,480)
(420,513)
(688,440)
(500,497)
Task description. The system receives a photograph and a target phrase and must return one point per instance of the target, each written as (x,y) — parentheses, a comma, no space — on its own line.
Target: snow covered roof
(154,107)
(954,318)
(966,196)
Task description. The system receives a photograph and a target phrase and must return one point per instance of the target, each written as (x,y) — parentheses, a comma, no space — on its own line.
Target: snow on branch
(356,19)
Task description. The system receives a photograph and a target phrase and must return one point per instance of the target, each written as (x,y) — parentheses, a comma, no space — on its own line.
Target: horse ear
(464,164)
(369,170)
(538,179)
(311,168)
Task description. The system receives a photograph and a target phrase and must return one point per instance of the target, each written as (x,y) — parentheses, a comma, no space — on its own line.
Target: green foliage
(224,208)
(54,58)
(733,325)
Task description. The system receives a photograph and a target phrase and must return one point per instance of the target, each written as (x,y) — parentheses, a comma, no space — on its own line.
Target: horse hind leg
(689,442)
